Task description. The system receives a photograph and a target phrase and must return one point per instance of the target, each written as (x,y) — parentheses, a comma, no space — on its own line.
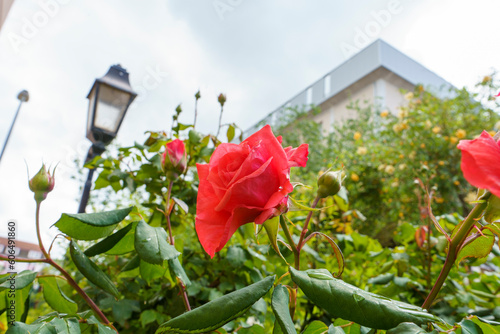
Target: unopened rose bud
(42,183)
(197,95)
(178,110)
(329,183)
(222,99)
(174,159)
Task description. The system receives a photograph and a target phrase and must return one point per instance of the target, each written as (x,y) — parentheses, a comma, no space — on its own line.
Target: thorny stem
(70,280)
(182,288)
(454,246)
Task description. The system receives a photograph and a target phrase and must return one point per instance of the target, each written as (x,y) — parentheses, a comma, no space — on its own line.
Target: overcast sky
(260,53)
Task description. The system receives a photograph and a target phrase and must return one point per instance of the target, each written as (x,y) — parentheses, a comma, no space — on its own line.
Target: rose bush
(481,162)
(243,183)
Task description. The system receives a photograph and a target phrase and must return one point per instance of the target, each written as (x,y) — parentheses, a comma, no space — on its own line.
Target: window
(309,95)
(327,85)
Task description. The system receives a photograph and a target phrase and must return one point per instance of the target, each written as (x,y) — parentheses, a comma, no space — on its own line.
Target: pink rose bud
(42,183)
(174,159)
(222,99)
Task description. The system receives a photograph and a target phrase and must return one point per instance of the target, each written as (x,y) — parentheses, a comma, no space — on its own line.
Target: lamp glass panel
(91,110)
(110,108)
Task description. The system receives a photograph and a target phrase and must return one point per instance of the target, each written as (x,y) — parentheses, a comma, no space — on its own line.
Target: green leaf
(272,227)
(316,327)
(147,317)
(231,131)
(181,204)
(90,270)
(21,300)
(178,271)
(381,279)
(22,328)
(218,312)
(486,325)
(55,297)
(406,328)
(151,244)
(469,327)
(150,272)
(279,304)
(477,248)
(91,226)
(255,329)
(335,330)
(235,256)
(301,206)
(66,326)
(132,264)
(110,242)
(21,280)
(342,300)
(122,310)
(101,329)
(322,274)
(341,199)
(492,212)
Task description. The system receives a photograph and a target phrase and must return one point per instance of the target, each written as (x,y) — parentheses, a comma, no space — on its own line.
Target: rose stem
(304,230)
(220,121)
(296,252)
(70,280)
(293,292)
(172,242)
(455,244)
(195,113)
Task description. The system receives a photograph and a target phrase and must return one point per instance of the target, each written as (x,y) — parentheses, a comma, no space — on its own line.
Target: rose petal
(481,162)
(210,224)
(297,157)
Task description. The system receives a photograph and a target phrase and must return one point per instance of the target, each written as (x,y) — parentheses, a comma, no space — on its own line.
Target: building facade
(4,10)
(22,249)
(376,75)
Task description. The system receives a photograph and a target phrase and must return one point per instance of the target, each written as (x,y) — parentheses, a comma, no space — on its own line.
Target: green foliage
(218,312)
(342,300)
(140,278)
(280,306)
(55,297)
(91,226)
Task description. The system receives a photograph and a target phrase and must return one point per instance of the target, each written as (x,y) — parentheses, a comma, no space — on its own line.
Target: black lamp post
(23,96)
(109,99)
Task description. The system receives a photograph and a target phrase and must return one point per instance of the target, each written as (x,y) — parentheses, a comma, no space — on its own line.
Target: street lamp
(109,99)
(23,96)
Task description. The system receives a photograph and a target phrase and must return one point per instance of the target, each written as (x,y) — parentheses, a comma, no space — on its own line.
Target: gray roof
(377,55)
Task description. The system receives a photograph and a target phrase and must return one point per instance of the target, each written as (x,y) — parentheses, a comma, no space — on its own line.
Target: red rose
(174,159)
(481,162)
(244,183)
